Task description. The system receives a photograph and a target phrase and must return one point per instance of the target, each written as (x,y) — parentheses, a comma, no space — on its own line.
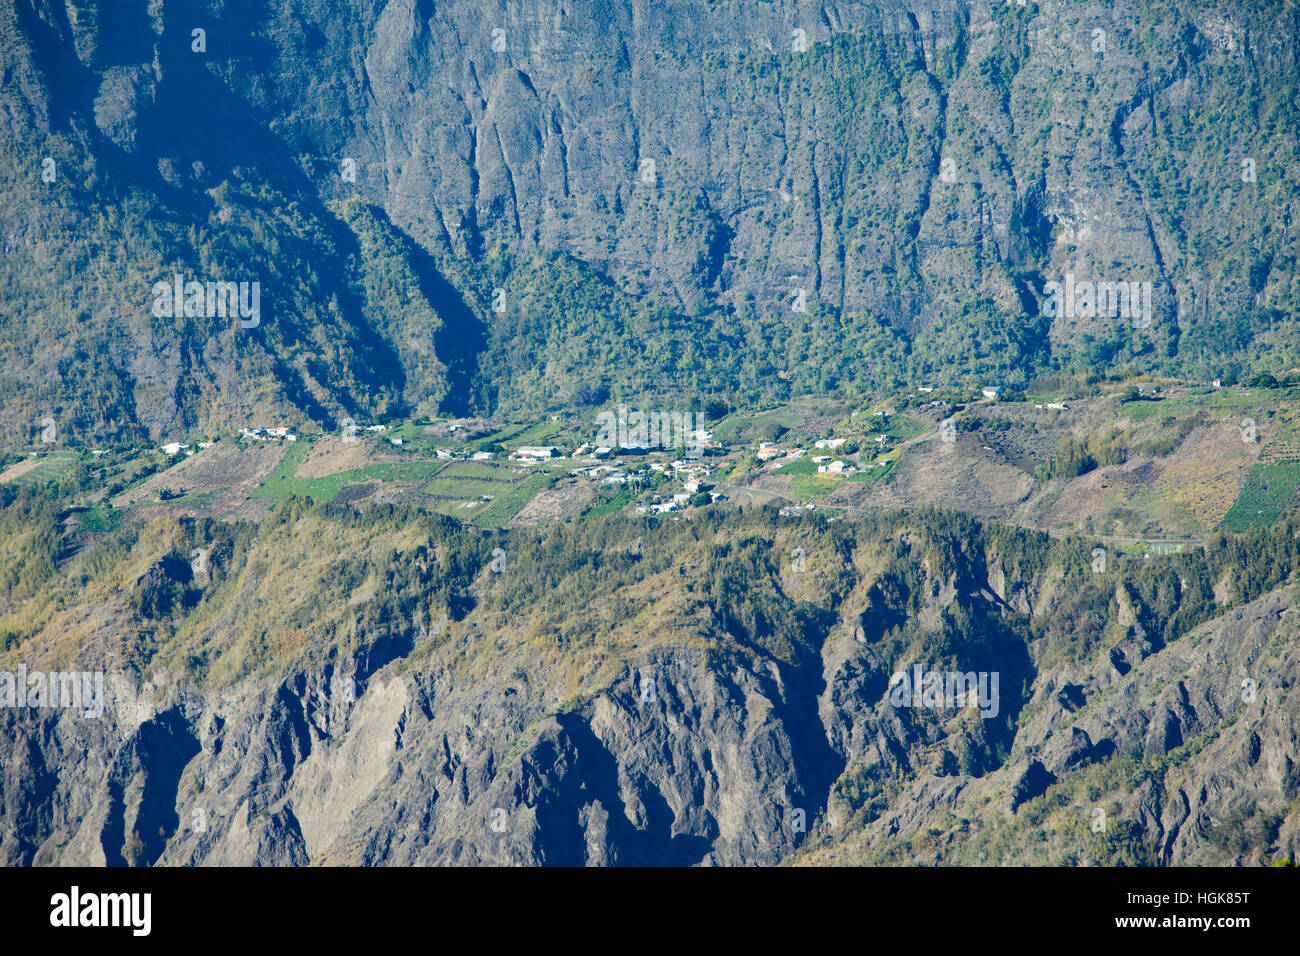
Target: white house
(537,451)
(991,391)
(831,443)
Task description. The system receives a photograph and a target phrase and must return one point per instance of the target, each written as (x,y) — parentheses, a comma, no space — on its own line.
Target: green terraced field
(904,427)
(282,484)
(505,506)
(464,487)
(539,433)
(50,469)
(1245,402)
(801,466)
(739,426)
(478,469)
(465,482)
(871,475)
(507,436)
(1266,495)
(900,427)
(813,486)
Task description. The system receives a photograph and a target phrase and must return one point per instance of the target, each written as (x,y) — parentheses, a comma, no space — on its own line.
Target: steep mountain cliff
(756,199)
(909,235)
(693,696)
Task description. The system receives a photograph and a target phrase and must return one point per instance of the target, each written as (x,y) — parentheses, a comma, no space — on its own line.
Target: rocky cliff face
(694,151)
(697,767)
(682,757)
(696,198)
(783,173)
(1223,696)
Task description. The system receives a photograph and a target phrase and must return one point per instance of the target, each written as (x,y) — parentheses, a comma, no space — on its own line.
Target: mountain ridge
(949,131)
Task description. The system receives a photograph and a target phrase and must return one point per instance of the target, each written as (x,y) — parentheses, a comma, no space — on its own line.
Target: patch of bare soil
(1085,497)
(961,474)
(19,469)
(1187,491)
(778,485)
(1210,451)
(330,455)
(233,473)
(1204,475)
(859,494)
(554,504)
